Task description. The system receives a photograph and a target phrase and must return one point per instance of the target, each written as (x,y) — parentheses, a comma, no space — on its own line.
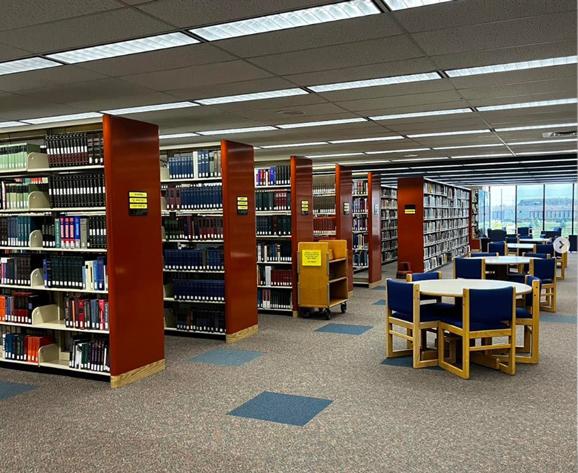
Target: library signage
(242,205)
(311,257)
(304,207)
(345,208)
(137,203)
(409,209)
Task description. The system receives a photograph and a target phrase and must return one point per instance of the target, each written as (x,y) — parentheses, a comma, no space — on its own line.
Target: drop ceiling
(451,35)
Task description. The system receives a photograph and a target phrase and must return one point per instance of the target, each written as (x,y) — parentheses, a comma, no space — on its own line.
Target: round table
(520,246)
(505,260)
(535,240)
(455,287)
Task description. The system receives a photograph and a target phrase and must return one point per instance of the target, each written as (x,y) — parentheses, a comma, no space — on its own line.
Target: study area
(310,235)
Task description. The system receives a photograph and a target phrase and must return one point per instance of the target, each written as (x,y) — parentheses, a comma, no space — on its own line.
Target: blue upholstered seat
(425,276)
(484,254)
(497,247)
(516,277)
(523,313)
(427,314)
(468,268)
(545,269)
(547,249)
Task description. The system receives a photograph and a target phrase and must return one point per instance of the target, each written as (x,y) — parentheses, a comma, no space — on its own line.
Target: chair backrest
(403,266)
(573,242)
(547,248)
(485,254)
(497,247)
(497,235)
(524,231)
(489,305)
(530,298)
(423,276)
(543,268)
(537,255)
(469,268)
(400,296)
(512,239)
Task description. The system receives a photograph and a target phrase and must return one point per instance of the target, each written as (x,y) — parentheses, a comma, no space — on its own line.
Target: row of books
(443,225)
(271,299)
(75,149)
(445,246)
(437,201)
(273,176)
(359,187)
(389,234)
(16,269)
(72,271)
(388,193)
(388,245)
(324,224)
(194,197)
(273,200)
(433,214)
(194,164)
(274,225)
(388,214)
(210,258)
(389,224)
(437,188)
(323,189)
(359,204)
(387,256)
(192,318)
(193,228)
(77,190)
(270,276)
(14,195)
(18,307)
(359,223)
(438,260)
(324,205)
(15,155)
(21,347)
(388,204)
(431,238)
(360,240)
(360,259)
(89,354)
(274,252)
(212,290)
(74,232)
(86,314)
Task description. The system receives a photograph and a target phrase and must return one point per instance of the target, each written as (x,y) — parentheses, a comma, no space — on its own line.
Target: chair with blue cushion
(469,268)
(573,243)
(528,316)
(546,248)
(545,269)
(405,311)
(482,254)
(497,235)
(486,314)
(499,247)
(512,239)
(525,232)
(436,300)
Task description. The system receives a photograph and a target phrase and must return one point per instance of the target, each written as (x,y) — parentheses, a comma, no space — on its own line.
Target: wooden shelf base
(137,374)
(240,335)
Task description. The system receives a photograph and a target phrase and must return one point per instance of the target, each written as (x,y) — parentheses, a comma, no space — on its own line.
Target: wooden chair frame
(478,353)
(529,352)
(548,293)
(562,263)
(483,275)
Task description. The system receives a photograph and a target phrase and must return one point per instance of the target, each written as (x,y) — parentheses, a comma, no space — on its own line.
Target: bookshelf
(344,216)
(475,233)
(93,302)
(324,219)
(437,211)
(209,244)
(388,224)
(366,230)
(284,212)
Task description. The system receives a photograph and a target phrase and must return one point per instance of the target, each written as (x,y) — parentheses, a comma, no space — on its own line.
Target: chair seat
(514,277)
(427,314)
(444,308)
(547,281)
(523,313)
(474,326)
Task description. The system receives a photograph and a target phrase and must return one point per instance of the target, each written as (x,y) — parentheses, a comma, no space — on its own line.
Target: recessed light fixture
(364,140)
(539,153)
(449,133)
(124,48)
(11,124)
(272,94)
(322,123)
(62,118)
(336,155)
(292,19)
(468,146)
(150,108)
(537,127)
(482,156)
(540,103)
(512,66)
(430,113)
(177,135)
(398,151)
(404,4)
(23,65)
(232,131)
(358,84)
(531,161)
(294,145)
(421,159)
(539,142)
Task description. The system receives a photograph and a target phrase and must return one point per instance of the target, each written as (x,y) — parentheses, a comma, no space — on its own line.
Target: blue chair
(405,311)
(437,301)
(487,313)
(525,232)
(547,248)
(483,254)
(545,270)
(497,235)
(469,268)
(512,239)
(528,316)
(499,247)
(573,243)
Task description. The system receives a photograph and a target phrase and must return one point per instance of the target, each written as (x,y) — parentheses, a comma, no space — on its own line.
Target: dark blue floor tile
(345,329)
(281,408)
(379,288)
(404,362)
(7,390)
(226,357)
(379,302)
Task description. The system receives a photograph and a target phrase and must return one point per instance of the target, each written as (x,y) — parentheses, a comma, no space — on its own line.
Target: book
(75,149)
(194,196)
(15,155)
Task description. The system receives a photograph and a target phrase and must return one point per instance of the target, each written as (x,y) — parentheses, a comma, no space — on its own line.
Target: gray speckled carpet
(381,418)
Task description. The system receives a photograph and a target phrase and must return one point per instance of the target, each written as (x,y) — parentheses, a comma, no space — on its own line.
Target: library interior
(288,236)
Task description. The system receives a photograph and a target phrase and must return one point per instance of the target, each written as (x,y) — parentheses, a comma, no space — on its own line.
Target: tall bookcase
(388,224)
(344,214)
(92,286)
(475,233)
(366,229)
(209,241)
(437,211)
(324,219)
(284,200)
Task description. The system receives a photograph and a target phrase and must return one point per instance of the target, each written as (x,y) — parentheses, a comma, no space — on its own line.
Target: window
(558,208)
(502,208)
(530,207)
(575,218)
(484,210)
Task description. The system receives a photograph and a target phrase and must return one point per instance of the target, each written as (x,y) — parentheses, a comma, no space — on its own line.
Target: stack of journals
(196,197)
(72,271)
(271,299)
(18,307)
(77,190)
(89,353)
(268,276)
(274,225)
(274,252)
(16,269)
(75,149)
(198,319)
(210,290)
(21,347)
(195,259)
(273,200)
(193,228)
(14,195)
(195,164)
(89,314)
(15,156)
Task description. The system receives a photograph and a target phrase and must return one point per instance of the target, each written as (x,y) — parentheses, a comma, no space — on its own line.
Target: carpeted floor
(365,416)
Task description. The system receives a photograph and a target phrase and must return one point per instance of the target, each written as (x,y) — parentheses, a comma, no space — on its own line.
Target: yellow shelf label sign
(138,200)
(137,194)
(311,257)
(137,203)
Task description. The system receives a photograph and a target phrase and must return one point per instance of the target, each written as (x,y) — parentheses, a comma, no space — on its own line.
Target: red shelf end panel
(343,212)
(410,223)
(374,226)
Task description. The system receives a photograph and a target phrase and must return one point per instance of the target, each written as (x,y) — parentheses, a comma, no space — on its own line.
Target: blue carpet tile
(281,408)
(378,288)
(226,357)
(7,390)
(404,362)
(558,319)
(379,302)
(346,329)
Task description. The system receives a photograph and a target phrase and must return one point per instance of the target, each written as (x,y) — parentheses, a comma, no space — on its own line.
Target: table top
(535,240)
(520,246)
(505,259)
(455,287)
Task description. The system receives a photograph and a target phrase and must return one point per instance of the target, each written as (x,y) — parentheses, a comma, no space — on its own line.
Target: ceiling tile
(424,101)
(41,79)
(16,107)
(8,53)
(566,87)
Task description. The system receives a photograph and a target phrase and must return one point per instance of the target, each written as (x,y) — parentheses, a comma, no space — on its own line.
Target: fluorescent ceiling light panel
(11,124)
(483,156)
(512,66)
(337,155)
(531,161)
(23,65)
(539,142)
(404,4)
(398,151)
(421,159)
(322,123)
(468,146)
(450,133)
(364,140)
(422,114)
(272,94)
(231,131)
(538,153)
(294,145)
(358,84)
(124,48)
(292,19)
(177,135)
(150,108)
(63,118)
(537,127)
(541,103)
